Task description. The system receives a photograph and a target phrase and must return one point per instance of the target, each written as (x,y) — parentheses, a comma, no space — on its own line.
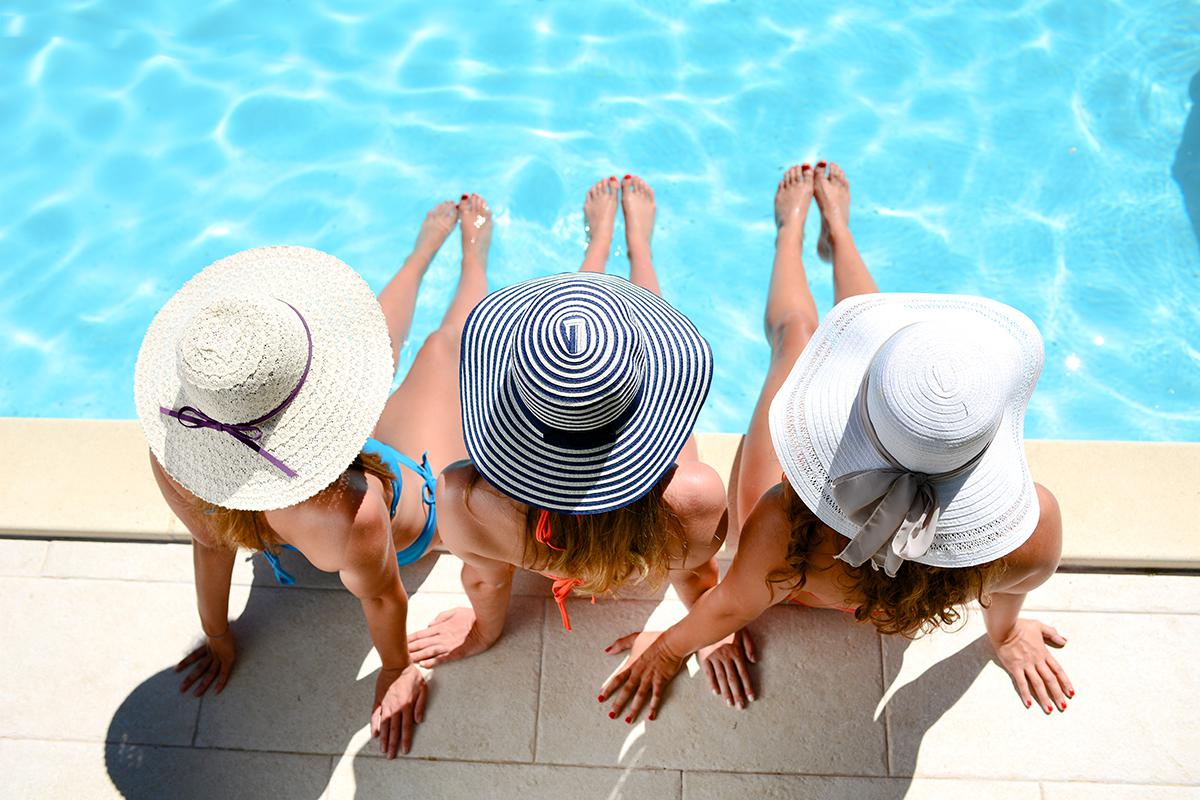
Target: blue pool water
(1042,154)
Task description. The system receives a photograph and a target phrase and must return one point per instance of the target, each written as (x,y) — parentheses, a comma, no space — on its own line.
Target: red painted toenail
(803,167)
(820,163)
(627,177)
(464,197)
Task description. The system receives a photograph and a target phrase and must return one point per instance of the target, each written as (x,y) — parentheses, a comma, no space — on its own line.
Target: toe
(836,172)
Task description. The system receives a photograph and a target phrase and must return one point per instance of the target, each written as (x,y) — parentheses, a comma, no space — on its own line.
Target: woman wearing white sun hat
(580,392)
(262,389)
(897,424)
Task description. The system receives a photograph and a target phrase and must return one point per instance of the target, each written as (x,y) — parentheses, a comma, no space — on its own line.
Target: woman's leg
(599,211)
(399,297)
(637,203)
(790,320)
(425,412)
(850,275)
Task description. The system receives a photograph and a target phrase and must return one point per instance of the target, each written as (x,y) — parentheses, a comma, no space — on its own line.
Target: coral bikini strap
(562,587)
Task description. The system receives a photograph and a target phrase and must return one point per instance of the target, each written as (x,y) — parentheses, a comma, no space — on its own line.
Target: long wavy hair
(604,551)
(919,599)
(249,529)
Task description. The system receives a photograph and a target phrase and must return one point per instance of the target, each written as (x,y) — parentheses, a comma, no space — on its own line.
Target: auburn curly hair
(919,599)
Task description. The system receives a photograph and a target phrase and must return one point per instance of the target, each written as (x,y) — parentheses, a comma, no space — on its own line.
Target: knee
(788,335)
(443,343)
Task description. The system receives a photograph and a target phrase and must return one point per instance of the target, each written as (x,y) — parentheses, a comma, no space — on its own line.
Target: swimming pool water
(1044,154)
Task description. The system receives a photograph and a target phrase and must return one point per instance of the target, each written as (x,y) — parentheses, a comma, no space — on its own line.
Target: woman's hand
(726,665)
(649,670)
(399,705)
(451,636)
(214,661)
(1034,672)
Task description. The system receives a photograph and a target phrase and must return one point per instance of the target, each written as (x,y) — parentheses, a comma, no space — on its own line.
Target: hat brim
(325,426)
(986,512)
(513,452)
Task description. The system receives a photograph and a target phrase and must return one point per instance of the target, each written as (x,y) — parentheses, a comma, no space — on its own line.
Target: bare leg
(850,275)
(424,413)
(637,203)
(399,297)
(790,320)
(599,211)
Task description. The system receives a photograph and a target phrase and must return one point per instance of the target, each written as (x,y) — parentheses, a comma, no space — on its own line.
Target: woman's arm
(462,632)
(212,564)
(1020,644)
(739,599)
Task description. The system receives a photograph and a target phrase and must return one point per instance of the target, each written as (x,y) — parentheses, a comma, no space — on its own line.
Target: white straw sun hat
(260,380)
(901,426)
(579,390)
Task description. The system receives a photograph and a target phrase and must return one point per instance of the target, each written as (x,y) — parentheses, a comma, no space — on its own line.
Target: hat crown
(579,357)
(937,393)
(239,357)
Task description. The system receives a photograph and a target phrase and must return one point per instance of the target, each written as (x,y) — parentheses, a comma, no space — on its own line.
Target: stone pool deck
(90,630)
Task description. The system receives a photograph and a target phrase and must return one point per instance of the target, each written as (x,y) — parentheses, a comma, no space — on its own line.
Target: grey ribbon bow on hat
(896,507)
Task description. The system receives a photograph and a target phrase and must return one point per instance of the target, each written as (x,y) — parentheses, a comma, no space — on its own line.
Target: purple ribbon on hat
(248,433)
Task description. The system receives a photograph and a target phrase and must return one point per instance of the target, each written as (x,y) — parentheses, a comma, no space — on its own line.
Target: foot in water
(599,212)
(475,220)
(833,198)
(637,202)
(792,199)
(438,223)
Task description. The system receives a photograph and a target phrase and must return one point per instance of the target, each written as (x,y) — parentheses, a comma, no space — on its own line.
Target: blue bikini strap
(281,574)
(423,470)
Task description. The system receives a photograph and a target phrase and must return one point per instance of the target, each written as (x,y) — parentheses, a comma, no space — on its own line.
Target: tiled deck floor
(89,707)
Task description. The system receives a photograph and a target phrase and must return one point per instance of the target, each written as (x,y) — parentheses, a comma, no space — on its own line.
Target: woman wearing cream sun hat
(897,425)
(262,388)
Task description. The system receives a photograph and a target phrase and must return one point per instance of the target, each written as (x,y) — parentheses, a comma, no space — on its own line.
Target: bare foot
(476,224)
(599,212)
(637,201)
(833,198)
(438,223)
(792,199)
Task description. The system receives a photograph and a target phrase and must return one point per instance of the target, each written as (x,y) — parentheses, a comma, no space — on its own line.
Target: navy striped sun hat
(579,390)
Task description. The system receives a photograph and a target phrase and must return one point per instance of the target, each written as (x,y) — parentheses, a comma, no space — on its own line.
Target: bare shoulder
(343,524)
(767,532)
(695,490)
(1032,564)
(473,517)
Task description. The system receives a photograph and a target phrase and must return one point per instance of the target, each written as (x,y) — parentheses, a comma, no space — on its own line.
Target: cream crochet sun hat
(901,426)
(260,380)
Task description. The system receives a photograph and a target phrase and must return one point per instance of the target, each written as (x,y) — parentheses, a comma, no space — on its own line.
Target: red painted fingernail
(1028,704)
(1064,707)
(612,715)
(1049,709)
(1071,693)
(600,699)
(651,717)
(628,720)
(608,648)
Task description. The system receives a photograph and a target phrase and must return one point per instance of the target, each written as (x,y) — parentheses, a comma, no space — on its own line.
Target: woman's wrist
(224,632)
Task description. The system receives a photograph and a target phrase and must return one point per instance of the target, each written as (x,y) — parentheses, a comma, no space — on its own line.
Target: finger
(223,677)
(210,675)
(723,683)
(420,636)
(1051,683)
(1039,689)
(426,650)
(387,742)
(622,644)
(710,672)
(743,672)
(1022,687)
(748,647)
(406,730)
(193,676)
(428,663)
(735,684)
(419,712)
(613,683)
(639,700)
(622,699)
(1052,637)
(376,720)
(656,699)
(191,658)
(1061,675)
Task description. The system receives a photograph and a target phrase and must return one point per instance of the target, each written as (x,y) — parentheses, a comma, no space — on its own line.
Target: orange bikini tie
(562,586)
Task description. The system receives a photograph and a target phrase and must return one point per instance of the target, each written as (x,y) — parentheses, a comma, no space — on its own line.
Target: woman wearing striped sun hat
(579,394)
(897,425)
